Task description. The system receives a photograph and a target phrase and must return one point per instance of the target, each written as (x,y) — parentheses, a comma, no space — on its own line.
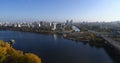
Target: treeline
(83,36)
(10,55)
(45,30)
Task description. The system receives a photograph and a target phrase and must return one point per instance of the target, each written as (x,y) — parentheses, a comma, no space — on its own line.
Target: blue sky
(59,10)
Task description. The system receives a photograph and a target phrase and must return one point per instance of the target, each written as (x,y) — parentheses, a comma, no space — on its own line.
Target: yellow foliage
(10,55)
(92,35)
(31,58)
(2,53)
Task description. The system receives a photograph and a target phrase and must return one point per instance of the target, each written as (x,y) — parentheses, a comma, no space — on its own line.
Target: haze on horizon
(59,10)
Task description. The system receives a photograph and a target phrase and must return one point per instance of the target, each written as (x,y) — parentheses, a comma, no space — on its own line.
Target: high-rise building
(67,22)
(54,26)
(71,22)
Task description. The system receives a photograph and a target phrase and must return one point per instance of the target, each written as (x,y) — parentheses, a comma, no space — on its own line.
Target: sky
(59,10)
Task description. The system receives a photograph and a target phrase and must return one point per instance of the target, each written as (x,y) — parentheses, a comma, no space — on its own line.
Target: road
(111,41)
(108,39)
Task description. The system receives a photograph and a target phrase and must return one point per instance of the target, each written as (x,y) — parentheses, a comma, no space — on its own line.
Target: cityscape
(59,31)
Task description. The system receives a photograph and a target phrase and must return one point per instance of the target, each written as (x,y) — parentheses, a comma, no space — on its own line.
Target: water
(55,49)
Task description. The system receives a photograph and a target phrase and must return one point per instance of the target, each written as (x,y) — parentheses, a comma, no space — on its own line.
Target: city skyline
(59,10)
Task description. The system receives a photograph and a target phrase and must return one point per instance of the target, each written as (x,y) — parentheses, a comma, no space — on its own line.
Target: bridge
(112,42)
(109,40)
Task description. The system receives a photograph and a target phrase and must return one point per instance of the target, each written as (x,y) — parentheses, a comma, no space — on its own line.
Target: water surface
(55,49)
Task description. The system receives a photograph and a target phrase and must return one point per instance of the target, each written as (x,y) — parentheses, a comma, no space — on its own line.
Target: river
(56,49)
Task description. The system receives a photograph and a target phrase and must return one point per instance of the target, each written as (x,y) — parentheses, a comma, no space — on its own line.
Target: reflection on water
(55,49)
(113,53)
(55,36)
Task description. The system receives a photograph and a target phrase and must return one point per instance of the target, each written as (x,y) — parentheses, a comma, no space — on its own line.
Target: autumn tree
(10,55)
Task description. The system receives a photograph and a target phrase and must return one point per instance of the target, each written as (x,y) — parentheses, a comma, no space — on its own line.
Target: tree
(10,55)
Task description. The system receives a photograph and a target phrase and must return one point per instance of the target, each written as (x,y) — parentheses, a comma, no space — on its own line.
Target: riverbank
(26,29)
(76,36)
(83,37)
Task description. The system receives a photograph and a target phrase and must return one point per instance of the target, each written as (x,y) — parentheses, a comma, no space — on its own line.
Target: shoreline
(79,36)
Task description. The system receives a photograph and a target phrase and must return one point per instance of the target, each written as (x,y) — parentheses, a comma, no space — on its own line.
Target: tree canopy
(10,55)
